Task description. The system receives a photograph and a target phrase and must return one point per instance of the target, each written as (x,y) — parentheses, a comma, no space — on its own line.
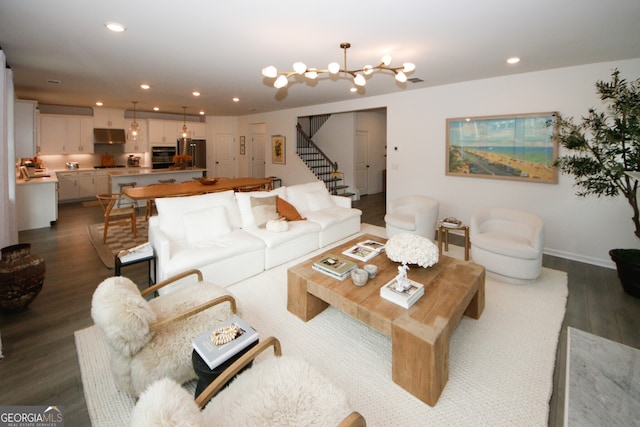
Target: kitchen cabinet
(61,134)
(164,132)
(77,185)
(141,145)
(36,203)
(104,118)
(102,182)
(25,127)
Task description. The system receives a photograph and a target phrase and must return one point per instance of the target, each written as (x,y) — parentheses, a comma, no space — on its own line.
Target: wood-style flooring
(41,365)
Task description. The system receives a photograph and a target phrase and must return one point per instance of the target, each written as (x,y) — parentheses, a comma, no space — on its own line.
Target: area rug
(500,366)
(119,238)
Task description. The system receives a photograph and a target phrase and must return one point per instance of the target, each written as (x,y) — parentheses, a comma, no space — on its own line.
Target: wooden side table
(443,235)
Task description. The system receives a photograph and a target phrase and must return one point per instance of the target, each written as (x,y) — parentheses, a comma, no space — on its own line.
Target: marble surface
(603,382)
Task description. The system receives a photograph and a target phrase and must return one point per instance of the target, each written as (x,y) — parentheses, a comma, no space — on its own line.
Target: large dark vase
(21,277)
(628,265)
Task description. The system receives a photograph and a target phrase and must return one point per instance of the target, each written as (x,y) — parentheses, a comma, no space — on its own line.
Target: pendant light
(134,133)
(184,134)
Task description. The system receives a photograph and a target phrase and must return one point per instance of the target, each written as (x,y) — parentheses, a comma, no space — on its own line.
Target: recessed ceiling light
(196,93)
(145,86)
(513,60)
(115,27)
(156,108)
(236,99)
(354,89)
(202,113)
(99,104)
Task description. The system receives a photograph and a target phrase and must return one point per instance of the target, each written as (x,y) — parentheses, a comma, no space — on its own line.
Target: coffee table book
(361,253)
(404,299)
(373,245)
(334,266)
(212,354)
(138,252)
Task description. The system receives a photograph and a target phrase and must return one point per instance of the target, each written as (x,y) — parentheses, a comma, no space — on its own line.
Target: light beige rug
(500,366)
(118,238)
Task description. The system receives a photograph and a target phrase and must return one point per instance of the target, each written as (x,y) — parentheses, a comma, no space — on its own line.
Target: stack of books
(141,251)
(364,251)
(404,299)
(334,266)
(451,222)
(215,354)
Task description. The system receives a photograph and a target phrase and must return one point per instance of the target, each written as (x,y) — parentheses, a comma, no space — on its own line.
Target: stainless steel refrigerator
(196,148)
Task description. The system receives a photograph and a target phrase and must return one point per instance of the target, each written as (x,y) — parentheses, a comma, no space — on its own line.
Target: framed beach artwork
(518,147)
(278,149)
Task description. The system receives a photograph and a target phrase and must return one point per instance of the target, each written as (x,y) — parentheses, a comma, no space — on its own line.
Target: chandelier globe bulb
(299,67)
(408,67)
(401,77)
(281,82)
(270,71)
(386,60)
(359,80)
(334,68)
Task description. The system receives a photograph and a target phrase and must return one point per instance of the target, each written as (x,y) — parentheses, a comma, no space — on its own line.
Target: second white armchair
(412,214)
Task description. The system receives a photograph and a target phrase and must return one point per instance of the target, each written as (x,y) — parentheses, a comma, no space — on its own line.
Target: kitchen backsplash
(58,161)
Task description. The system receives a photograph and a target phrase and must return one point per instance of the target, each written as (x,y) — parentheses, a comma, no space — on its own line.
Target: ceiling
(219,48)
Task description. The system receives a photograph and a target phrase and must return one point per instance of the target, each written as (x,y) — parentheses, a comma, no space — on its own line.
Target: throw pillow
(264,210)
(287,210)
(319,200)
(205,224)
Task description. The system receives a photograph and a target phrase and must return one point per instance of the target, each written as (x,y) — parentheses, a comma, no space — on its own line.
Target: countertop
(148,171)
(43,180)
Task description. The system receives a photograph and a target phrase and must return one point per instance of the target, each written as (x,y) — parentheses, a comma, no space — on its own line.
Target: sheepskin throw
(139,356)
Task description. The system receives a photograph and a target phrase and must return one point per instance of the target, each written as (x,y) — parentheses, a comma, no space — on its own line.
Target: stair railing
(304,142)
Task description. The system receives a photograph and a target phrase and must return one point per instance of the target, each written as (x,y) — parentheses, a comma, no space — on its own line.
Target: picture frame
(278,150)
(520,147)
(242,146)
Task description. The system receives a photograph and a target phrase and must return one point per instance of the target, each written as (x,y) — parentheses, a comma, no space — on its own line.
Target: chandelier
(282,77)
(184,134)
(134,133)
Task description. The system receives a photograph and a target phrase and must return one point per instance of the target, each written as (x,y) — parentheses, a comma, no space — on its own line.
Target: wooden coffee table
(420,334)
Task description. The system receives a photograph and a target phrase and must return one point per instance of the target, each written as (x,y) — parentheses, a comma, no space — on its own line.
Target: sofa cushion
(172,209)
(297,194)
(506,244)
(205,224)
(327,217)
(243,200)
(296,230)
(319,200)
(263,210)
(287,210)
(185,257)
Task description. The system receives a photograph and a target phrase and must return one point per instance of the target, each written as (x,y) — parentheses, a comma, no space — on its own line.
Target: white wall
(577,228)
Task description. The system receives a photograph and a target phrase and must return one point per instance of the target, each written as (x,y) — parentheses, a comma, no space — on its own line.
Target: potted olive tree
(602,149)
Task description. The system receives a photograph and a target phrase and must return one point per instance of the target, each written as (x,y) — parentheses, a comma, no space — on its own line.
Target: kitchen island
(37,202)
(146,176)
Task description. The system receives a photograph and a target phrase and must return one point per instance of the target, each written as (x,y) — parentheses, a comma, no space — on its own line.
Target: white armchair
(412,214)
(150,340)
(508,243)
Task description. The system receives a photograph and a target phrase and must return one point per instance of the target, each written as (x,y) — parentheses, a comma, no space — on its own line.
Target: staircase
(317,161)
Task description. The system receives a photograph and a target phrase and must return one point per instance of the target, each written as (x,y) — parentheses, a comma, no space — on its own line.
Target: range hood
(108,136)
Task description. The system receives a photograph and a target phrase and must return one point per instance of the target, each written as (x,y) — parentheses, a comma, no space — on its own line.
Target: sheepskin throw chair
(508,243)
(412,214)
(150,340)
(276,391)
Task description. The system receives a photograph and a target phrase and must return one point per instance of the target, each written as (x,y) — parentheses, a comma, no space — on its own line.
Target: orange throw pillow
(287,210)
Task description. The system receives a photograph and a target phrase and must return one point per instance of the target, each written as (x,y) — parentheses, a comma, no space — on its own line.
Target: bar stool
(122,186)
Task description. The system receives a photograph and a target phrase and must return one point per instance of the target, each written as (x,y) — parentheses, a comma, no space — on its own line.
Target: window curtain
(8,219)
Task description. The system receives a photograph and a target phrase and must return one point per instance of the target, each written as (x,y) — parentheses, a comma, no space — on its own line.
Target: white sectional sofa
(217,233)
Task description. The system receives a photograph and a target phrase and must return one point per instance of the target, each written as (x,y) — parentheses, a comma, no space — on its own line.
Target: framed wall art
(242,146)
(278,150)
(518,147)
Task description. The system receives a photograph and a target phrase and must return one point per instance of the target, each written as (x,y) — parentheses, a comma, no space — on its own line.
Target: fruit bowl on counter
(207,181)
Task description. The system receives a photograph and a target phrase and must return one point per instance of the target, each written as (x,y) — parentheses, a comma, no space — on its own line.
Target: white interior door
(257,156)
(362,162)
(224,162)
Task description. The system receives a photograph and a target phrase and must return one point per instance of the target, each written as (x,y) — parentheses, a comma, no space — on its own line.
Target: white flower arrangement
(411,249)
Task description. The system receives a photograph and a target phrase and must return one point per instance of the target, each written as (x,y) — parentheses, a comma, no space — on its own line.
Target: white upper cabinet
(60,134)
(163,132)
(104,118)
(25,127)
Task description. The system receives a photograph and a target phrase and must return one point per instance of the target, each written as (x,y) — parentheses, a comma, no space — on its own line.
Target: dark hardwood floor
(41,365)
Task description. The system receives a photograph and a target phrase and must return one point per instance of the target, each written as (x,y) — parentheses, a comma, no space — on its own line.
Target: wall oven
(162,156)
